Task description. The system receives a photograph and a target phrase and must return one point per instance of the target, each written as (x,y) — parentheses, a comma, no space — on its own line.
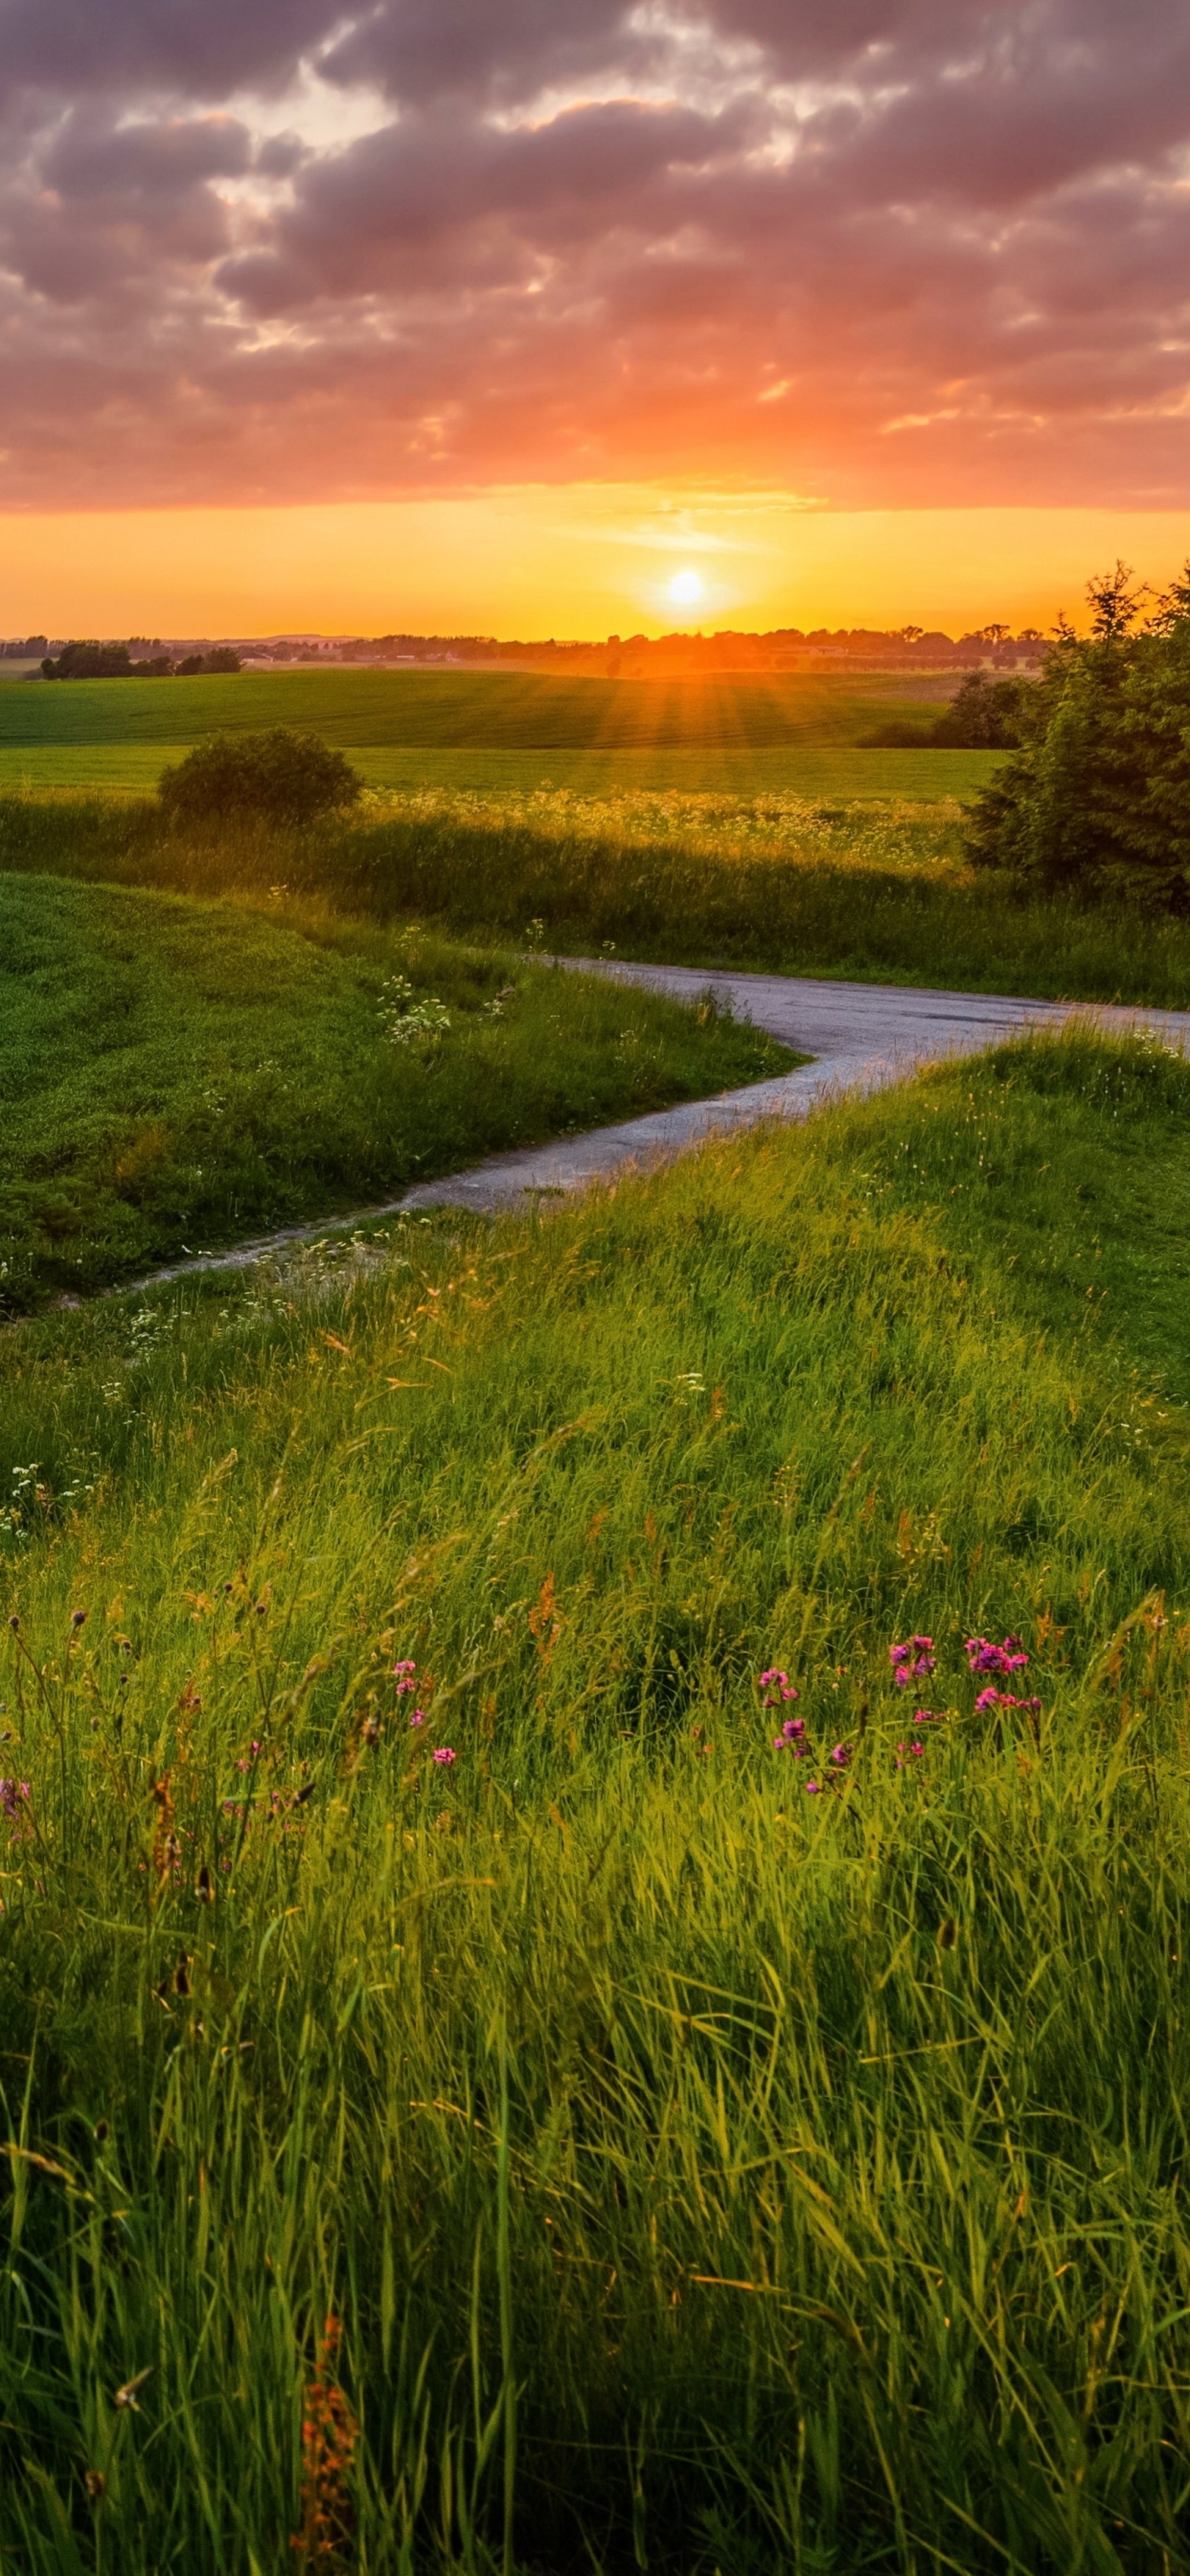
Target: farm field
(678,2152)
(830,775)
(174,1075)
(494,731)
(461,710)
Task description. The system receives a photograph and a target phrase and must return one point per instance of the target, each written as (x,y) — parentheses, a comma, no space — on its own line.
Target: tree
(983,715)
(277,777)
(1097,797)
(222,657)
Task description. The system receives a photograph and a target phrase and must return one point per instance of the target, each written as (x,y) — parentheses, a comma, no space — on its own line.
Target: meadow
(875,890)
(474,2102)
(594,1810)
(175,1075)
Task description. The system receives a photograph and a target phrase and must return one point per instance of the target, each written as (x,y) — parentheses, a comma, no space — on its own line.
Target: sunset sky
(506,314)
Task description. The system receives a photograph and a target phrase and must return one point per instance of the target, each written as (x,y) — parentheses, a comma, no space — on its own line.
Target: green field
(460,710)
(707,2176)
(494,731)
(174,1075)
(827,775)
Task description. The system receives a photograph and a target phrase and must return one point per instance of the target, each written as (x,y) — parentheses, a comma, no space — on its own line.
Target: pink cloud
(880,252)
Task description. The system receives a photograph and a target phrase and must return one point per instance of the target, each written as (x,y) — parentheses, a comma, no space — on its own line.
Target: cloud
(883,250)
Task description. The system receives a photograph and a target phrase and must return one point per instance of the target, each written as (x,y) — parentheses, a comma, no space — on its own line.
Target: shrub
(983,715)
(1097,797)
(278,777)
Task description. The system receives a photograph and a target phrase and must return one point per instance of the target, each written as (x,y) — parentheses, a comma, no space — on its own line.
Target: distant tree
(89,661)
(190,666)
(278,777)
(223,657)
(1097,797)
(159,667)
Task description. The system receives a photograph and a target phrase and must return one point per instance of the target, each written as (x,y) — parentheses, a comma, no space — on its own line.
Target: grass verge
(175,1074)
(698,2170)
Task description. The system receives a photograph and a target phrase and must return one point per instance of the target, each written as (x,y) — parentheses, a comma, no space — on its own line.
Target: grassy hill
(175,1074)
(697,2169)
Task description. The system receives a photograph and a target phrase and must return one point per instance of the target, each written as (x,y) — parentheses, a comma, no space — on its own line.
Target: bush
(277,777)
(983,715)
(1097,797)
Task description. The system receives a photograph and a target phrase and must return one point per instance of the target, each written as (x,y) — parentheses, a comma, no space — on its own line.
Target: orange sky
(580,560)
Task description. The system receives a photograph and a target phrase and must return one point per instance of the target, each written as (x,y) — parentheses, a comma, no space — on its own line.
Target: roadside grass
(705,2174)
(176,1074)
(850,889)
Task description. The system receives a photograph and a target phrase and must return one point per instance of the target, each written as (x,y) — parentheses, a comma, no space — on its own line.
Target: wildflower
(418,1717)
(989,1698)
(813,1788)
(912,1661)
(984,1656)
(840,1756)
(403,1676)
(445,1754)
(11,1794)
(777,1686)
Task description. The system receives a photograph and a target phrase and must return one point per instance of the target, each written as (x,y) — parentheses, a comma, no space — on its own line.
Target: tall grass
(704,2174)
(773,882)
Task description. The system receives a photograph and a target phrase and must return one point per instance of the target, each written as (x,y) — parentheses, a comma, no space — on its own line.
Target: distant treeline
(783,648)
(91,661)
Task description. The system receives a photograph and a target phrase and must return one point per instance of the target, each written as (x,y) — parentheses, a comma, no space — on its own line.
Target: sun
(685,589)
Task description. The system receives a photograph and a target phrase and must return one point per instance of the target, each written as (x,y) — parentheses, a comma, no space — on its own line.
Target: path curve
(860,1036)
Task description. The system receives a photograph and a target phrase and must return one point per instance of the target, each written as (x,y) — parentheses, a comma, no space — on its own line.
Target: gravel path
(861,1036)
